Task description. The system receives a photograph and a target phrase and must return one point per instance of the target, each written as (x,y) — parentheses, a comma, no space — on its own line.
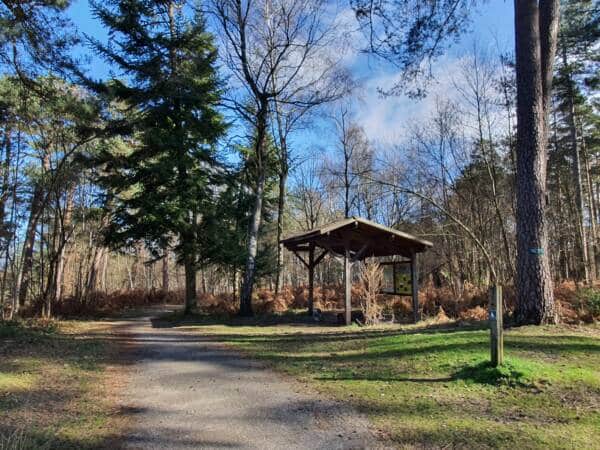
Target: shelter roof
(362,237)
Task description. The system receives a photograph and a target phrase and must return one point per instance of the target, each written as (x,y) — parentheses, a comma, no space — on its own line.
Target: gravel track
(188,392)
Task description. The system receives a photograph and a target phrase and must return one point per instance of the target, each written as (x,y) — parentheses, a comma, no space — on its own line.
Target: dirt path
(188,392)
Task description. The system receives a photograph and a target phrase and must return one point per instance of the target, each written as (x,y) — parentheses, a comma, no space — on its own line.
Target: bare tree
(353,160)
(270,48)
(308,195)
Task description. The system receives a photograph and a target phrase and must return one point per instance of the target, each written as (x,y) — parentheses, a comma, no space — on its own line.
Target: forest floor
(59,383)
(430,386)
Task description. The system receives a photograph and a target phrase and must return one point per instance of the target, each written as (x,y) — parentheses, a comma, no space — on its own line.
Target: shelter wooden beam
(415,288)
(301,258)
(321,256)
(311,279)
(359,254)
(348,286)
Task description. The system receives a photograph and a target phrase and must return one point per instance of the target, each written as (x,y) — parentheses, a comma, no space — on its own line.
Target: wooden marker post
(496,330)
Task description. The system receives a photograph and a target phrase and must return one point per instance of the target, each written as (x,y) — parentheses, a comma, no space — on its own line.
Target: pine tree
(168,105)
(35,35)
(577,62)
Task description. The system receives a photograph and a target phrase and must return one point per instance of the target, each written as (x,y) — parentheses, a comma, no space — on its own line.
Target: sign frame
(396,270)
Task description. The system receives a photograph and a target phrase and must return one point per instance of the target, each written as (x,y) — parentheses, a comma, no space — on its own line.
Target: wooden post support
(348,286)
(311,279)
(415,287)
(496,326)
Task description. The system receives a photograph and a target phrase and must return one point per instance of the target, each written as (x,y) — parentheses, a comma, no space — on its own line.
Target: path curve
(186,391)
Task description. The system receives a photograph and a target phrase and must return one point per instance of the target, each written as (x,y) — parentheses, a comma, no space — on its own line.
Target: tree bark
(256,215)
(165,271)
(283,174)
(535,35)
(190,284)
(592,210)
(92,279)
(64,237)
(24,277)
(579,204)
(4,195)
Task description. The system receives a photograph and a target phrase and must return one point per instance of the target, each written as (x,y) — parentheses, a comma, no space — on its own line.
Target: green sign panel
(397,278)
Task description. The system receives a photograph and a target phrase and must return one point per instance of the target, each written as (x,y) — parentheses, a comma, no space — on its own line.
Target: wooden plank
(348,287)
(361,252)
(301,259)
(415,288)
(496,326)
(321,256)
(311,279)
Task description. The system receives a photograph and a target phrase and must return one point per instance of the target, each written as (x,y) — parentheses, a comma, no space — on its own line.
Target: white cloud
(387,119)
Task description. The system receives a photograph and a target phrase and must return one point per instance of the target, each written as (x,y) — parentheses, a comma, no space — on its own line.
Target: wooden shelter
(355,239)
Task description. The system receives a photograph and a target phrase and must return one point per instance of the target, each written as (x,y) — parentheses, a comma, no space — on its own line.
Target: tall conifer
(168,101)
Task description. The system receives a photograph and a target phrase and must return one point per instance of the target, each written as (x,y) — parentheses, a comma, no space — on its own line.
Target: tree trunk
(535,36)
(190,284)
(253,229)
(280,211)
(256,216)
(103,285)
(592,210)
(165,271)
(4,195)
(92,279)
(579,204)
(65,234)
(24,277)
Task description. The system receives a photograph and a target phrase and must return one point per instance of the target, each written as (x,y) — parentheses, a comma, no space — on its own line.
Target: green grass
(433,387)
(52,387)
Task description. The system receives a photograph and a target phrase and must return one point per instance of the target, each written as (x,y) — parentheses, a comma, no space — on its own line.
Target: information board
(396,278)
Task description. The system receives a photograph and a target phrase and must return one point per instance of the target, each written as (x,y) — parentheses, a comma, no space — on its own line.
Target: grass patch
(432,387)
(55,387)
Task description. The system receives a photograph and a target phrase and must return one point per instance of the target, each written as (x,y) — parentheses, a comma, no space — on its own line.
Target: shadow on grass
(555,344)
(297,318)
(481,373)
(485,373)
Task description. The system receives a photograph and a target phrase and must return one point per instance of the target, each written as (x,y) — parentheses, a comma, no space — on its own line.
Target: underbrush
(574,304)
(99,303)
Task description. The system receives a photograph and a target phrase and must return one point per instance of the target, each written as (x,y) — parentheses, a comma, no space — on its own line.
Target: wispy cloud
(386,119)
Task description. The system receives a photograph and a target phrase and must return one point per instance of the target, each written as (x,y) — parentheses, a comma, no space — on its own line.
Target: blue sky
(383,119)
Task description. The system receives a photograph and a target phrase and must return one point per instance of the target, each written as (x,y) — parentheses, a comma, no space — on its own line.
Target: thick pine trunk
(535,35)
